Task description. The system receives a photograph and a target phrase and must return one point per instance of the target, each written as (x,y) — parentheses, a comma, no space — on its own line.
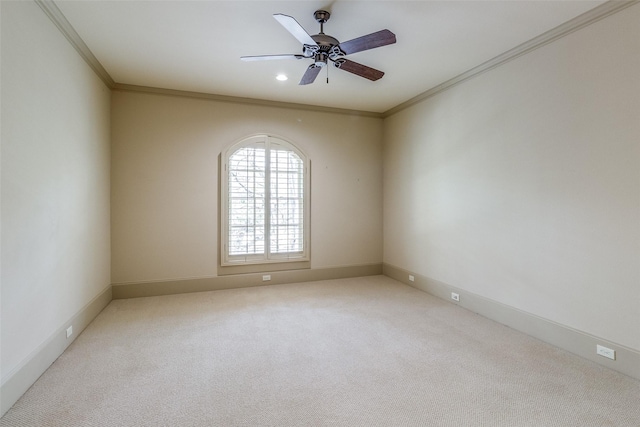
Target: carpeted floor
(353,352)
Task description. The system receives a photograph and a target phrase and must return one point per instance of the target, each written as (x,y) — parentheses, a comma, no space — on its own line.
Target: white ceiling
(196,45)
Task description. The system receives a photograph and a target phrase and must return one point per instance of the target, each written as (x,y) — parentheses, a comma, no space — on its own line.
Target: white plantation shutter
(265,202)
(247,198)
(287,202)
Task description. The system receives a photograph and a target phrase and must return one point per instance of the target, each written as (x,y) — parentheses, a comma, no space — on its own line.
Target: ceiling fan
(322,48)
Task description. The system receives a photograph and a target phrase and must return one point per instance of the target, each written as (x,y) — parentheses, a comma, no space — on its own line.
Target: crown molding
(247,101)
(581,21)
(57,17)
(587,18)
(60,21)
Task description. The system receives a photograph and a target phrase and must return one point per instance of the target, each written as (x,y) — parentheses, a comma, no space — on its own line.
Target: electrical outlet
(606,352)
(69,331)
(411,278)
(455,297)
(266,277)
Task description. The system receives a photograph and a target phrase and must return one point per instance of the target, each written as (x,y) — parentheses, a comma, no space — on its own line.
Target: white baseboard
(32,367)
(580,343)
(170,287)
(18,381)
(577,342)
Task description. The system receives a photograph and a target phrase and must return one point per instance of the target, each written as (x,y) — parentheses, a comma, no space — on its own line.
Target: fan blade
(269,57)
(291,25)
(359,69)
(310,75)
(370,41)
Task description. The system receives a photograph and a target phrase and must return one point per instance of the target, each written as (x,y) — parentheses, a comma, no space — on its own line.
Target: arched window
(265,202)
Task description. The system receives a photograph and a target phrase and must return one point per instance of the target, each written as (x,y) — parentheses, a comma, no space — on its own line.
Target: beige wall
(55,182)
(165,182)
(522,185)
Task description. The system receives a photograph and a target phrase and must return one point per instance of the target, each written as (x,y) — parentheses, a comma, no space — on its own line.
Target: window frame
(267,261)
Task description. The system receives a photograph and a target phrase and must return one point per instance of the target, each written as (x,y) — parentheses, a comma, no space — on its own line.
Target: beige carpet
(352,352)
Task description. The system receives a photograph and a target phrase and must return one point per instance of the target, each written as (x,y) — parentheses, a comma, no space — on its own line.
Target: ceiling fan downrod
(321,16)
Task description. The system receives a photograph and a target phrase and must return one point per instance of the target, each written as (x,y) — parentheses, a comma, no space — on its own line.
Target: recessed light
(282,77)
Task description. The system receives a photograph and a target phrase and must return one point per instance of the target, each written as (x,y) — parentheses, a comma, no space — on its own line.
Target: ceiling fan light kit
(322,48)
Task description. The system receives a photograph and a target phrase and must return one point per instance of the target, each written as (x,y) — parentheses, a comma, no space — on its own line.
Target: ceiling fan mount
(321,16)
(322,48)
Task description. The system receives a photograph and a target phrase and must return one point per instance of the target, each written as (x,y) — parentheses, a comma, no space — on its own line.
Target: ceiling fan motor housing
(327,47)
